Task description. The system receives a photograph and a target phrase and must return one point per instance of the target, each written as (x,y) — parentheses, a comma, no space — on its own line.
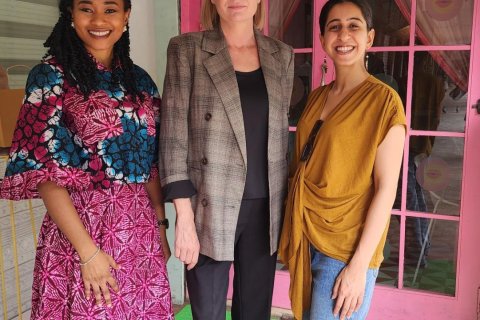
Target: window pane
(388,274)
(391,68)
(391,26)
(446,22)
(431,255)
(439,99)
(435,174)
(302,84)
(291,22)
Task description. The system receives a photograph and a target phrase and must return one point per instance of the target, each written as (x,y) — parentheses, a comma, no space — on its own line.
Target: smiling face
(99,24)
(234,11)
(346,37)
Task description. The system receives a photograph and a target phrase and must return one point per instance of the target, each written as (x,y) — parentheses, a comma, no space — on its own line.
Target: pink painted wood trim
(303,50)
(427,215)
(468,277)
(318,52)
(401,251)
(460,47)
(189,16)
(437,133)
(266,28)
(420,48)
(408,108)
(281,289)
(393,304)
(388,49)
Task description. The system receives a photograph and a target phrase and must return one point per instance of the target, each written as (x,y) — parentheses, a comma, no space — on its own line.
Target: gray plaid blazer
(202,134)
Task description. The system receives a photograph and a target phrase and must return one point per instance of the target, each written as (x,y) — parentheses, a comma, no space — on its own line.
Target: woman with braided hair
(85,143)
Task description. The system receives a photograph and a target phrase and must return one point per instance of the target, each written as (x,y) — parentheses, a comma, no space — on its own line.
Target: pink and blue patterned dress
(103,150)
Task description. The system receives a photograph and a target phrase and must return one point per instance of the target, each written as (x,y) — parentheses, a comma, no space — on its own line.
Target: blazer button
(204,202)
(208,116)
(204,161)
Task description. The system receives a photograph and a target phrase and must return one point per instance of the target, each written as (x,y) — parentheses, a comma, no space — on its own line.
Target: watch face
(163,222)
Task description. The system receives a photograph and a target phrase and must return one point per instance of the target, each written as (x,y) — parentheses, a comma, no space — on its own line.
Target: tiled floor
(277,314)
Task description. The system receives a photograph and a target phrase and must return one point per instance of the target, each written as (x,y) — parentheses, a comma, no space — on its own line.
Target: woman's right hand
(187,246)
(97,278)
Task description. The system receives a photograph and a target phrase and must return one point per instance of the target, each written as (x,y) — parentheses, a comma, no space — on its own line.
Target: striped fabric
(24,26)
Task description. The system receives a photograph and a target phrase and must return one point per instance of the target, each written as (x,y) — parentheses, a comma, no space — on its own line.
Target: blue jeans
(325,271)
(416,202)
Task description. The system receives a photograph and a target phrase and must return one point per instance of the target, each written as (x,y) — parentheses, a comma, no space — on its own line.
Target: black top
(254,99)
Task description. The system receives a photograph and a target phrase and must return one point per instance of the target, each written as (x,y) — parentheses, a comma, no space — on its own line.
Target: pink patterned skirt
(122,222)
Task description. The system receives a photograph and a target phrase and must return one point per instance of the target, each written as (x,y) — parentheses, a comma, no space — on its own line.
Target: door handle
(477,106)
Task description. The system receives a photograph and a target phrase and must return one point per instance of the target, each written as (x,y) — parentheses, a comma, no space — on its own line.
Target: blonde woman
(223,146)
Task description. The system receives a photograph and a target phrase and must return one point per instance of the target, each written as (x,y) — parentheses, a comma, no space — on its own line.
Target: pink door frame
(401,303)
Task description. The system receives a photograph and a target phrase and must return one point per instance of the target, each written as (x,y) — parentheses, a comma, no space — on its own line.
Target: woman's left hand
(165,246)
(349,290)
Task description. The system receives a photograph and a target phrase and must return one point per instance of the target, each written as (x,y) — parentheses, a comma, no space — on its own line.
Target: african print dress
(103,149)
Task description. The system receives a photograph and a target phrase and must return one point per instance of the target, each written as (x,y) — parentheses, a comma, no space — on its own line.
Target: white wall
(142,36)
(152,24)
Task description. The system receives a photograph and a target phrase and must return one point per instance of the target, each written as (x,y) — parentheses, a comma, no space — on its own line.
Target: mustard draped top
(329,195)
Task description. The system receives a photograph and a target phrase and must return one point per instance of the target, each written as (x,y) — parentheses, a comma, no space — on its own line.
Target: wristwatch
(163,222)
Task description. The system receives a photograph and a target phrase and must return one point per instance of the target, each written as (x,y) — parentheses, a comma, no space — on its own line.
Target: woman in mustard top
(345,169)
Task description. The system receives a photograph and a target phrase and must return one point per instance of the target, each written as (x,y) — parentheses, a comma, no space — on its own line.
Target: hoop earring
(324,71)
(366,61)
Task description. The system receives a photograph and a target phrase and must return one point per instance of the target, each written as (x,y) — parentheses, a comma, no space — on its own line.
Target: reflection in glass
(388,274)
(391,68)
(430,255)
(446,22)
(391,27)
(439,99)
(291,22)
(435,174)
(302,84)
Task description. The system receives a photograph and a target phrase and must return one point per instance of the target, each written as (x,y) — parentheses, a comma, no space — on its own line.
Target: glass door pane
(443,22)
(291,22)
(439,90)
(435,175)
(431,255)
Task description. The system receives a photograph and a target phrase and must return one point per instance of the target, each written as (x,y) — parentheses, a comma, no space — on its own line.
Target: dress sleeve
(156,102)
(43,148)
(151,104)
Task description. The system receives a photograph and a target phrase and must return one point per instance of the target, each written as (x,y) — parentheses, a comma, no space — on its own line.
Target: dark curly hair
(79,68)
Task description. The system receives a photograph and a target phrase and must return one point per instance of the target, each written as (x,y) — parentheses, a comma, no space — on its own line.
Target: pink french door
(429,51)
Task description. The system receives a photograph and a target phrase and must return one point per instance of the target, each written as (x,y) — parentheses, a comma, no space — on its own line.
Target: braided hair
(78,66)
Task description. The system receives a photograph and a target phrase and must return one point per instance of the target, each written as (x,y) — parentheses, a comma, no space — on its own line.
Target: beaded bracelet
(91,258)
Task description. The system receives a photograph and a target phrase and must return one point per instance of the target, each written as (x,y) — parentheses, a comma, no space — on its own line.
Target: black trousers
(254,271)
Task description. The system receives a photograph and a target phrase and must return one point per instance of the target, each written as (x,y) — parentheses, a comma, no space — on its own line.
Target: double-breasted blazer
(202,133)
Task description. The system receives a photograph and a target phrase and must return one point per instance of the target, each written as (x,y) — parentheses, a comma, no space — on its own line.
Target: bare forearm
(377,219)
(154,191)
(62,211)
(386,171)
(183,207)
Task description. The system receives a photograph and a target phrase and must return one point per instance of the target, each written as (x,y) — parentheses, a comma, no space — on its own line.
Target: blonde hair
(211,20)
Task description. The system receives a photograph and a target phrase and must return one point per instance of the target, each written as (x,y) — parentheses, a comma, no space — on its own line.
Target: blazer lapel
(219,67)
